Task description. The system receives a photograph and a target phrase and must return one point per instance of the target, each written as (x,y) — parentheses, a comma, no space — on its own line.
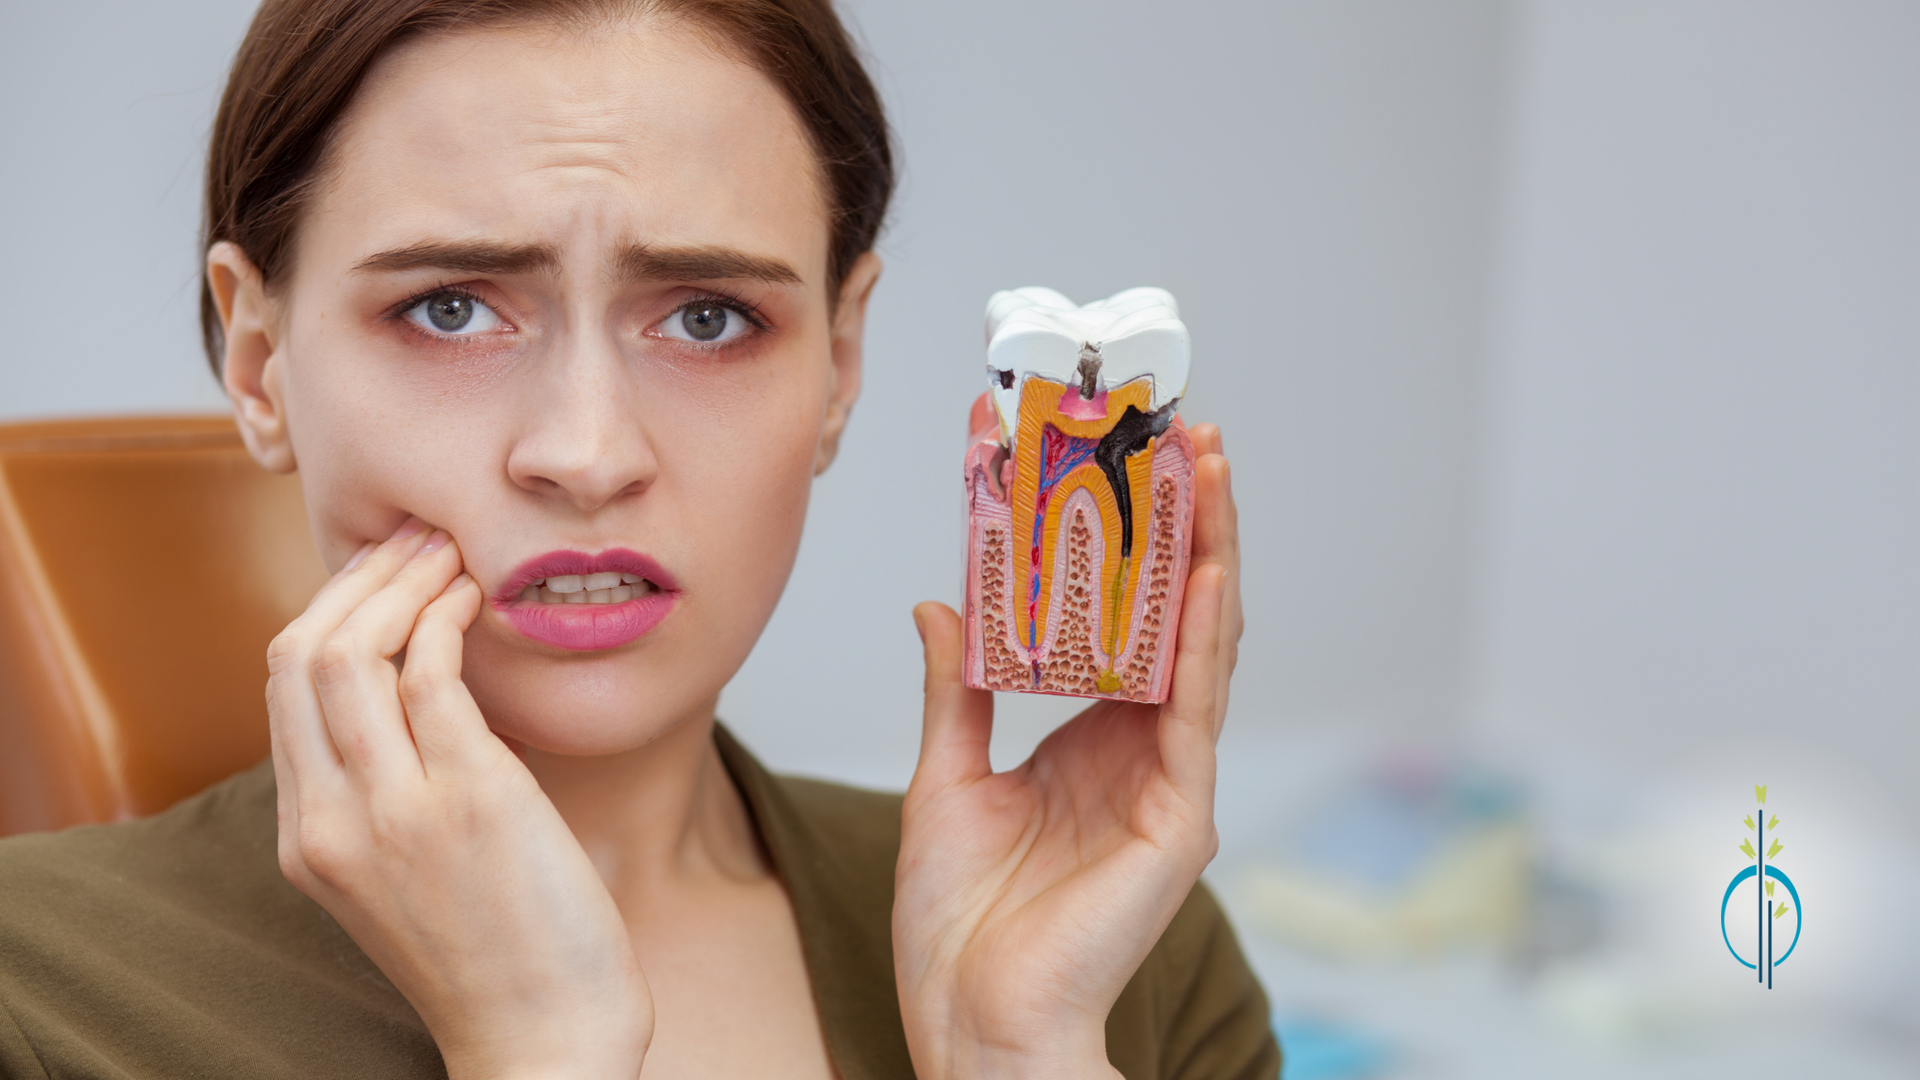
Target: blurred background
(1568,355)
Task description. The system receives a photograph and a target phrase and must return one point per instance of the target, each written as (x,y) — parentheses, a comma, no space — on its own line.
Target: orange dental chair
(145,563)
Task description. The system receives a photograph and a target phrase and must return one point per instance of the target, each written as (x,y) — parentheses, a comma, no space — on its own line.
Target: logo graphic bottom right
(1764,873)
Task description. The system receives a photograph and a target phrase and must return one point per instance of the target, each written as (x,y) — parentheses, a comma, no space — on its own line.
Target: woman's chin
(583,731)
(582,702)
(581,707)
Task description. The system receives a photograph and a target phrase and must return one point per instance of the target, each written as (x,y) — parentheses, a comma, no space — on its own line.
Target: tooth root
(621,593)
(566,583)
(600,581)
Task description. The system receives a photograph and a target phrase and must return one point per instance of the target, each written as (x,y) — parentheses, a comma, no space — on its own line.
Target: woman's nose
(581,439)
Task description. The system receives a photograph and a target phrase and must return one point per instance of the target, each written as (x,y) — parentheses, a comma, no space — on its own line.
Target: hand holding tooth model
(1079,497)
(1025,900)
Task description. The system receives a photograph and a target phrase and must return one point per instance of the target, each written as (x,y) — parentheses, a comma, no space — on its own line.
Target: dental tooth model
(1079,497)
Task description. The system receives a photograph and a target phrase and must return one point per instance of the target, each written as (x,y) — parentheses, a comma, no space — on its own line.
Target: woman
(557,308)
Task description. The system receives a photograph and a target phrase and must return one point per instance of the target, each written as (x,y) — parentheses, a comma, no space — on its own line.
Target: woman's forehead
(568,137)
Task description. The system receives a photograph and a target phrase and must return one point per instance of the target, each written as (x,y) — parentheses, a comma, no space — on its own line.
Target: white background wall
(1701,534)
(1566,351)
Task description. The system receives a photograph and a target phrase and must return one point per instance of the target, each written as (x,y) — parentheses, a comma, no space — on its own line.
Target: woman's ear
(251,367)
(849,326)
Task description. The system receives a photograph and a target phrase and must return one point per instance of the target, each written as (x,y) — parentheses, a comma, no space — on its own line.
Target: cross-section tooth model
(1079,497)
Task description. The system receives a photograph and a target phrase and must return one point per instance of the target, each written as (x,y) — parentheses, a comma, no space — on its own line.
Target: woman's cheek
(369,456)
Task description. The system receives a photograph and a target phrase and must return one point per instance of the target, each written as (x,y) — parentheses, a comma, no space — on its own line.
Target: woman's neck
(657,818)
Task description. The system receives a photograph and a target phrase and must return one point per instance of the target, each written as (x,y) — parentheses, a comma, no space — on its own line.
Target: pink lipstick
(587,602)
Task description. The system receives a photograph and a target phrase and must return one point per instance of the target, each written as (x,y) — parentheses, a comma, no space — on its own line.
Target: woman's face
(564,294)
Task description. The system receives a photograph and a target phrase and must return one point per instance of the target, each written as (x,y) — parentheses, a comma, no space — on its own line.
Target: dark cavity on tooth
(1089,370)
(1130,435)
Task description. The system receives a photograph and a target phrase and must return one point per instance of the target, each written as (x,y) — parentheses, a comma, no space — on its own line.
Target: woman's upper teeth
(601,588)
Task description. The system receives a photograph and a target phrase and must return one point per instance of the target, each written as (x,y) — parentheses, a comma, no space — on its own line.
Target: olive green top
(173,947)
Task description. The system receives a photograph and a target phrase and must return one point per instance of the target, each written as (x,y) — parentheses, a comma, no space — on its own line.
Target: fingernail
(359,555)
(919,627)
(408,528)
(437,540)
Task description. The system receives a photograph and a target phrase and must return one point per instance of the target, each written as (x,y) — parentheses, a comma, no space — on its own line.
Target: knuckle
(286,649)
(336,658)
(417,684)
(318,854)
(290,867)
(394,821)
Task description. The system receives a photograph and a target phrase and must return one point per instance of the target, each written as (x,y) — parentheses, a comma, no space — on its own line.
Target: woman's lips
(587,627)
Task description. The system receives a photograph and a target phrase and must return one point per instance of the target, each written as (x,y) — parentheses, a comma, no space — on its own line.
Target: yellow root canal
(1108,682)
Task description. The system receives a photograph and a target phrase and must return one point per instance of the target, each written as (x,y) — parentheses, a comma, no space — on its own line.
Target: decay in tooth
(1130,435)
(602,588)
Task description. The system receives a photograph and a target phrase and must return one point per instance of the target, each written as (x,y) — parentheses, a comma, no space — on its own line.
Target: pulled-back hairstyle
(302,60)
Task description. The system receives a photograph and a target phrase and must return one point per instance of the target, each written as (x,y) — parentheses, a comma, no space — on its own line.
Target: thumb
(958,725)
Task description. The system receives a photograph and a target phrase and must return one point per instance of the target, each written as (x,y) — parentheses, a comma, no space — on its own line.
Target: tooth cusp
(1036,333)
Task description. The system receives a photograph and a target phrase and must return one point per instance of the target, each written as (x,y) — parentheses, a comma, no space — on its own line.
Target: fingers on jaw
(439,709)
(438,634)
(362,713)
(366,574)
(379,560)
(384,621)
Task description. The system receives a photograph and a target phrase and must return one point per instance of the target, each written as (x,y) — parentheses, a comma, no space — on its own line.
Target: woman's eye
(705,323)
(453,313)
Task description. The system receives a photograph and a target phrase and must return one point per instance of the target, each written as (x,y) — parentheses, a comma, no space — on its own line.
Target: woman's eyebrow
(466,257)
(643,263)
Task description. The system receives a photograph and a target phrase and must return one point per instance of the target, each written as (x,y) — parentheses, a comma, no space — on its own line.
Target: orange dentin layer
(1040,409)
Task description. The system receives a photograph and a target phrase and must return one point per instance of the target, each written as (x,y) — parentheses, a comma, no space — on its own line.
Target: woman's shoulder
(173,944)
(222,825)
(859,825)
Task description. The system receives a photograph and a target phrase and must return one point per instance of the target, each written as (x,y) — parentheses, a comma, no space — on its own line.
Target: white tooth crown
(1038,332)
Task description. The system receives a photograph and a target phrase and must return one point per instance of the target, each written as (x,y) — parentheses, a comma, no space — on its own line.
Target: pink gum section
(1071,657)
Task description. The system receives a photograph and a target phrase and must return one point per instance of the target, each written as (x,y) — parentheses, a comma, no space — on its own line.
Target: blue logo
(1764,874)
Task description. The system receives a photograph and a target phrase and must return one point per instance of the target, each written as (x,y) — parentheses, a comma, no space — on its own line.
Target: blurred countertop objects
(1423,909)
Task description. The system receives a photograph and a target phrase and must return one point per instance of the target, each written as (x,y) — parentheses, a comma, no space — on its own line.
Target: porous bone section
(1070,658)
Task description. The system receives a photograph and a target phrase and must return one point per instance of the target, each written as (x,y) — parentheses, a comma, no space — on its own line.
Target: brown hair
(302,61)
